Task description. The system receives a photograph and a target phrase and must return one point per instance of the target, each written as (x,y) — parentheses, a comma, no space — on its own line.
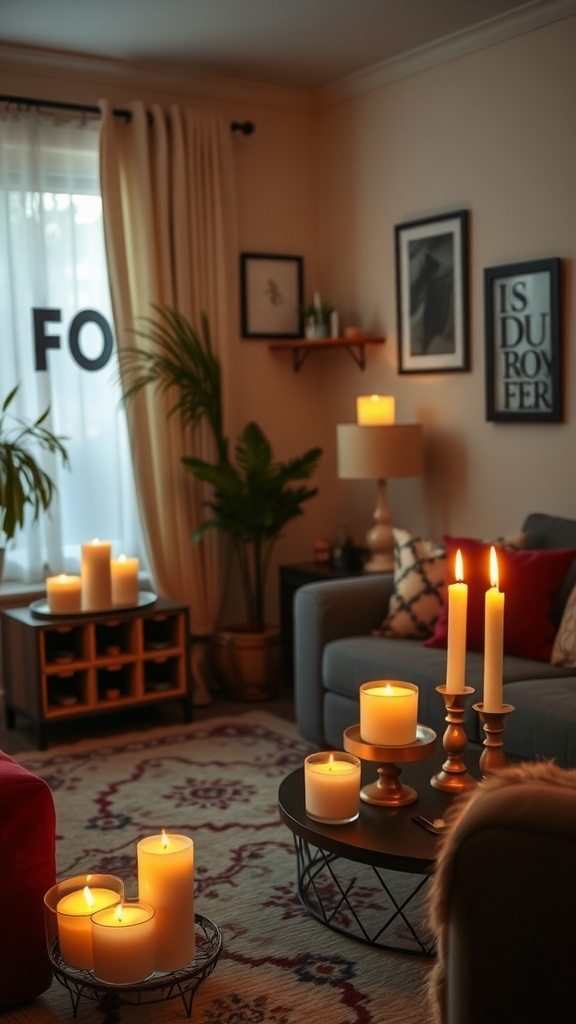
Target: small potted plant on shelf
(23,483)
(254,496)
(316,317)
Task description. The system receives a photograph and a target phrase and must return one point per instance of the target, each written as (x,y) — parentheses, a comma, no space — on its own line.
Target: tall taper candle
(493,640)
(457,608)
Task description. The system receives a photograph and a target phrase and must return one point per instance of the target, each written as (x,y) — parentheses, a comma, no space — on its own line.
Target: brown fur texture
(439,891)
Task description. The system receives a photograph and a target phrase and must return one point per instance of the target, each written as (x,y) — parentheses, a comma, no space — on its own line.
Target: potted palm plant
(253,496)
(23,484)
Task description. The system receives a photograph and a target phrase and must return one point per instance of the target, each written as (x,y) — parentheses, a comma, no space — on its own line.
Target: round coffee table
(367,879)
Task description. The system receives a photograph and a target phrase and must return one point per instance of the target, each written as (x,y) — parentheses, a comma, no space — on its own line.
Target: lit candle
(388,713)
(457,606)
(332,787)
(96,575)
(166,882)
(123,943)
(493,640)
(375,410)
(64,594)
(124,580)
(74,930)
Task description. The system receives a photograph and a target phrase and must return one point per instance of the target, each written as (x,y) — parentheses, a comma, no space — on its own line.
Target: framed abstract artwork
(523,343)
(271,294)
(432,294)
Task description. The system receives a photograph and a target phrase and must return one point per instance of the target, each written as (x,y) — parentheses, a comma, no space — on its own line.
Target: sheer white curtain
(52,259)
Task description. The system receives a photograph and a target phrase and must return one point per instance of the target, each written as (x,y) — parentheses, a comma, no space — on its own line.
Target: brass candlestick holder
(388,791)
(493,757)
(454,776)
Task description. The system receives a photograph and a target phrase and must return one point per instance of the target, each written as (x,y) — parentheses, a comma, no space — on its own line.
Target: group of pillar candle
(389,708)
(125,942)
(104,582)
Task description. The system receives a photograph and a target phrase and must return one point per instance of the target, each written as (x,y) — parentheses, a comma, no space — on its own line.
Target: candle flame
(494,579)
(459,566)
(121,558)
(388,690)
(165,840)
(330,762)
(88,896)
(119,910)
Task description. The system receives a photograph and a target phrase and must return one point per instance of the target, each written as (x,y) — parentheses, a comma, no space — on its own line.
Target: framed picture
(432,294)
(523,345)
(271,295)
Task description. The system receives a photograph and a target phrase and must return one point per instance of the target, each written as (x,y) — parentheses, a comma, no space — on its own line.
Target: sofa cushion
(564,647)
(543,723)
(419,583)
(530,580)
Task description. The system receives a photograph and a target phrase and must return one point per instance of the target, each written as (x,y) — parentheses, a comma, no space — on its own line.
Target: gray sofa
(334,652)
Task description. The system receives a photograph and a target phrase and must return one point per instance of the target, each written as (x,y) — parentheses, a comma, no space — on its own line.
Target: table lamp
(376,448)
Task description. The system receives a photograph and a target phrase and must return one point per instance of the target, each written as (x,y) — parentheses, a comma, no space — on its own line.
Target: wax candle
(332,787)
(124,580)
(166,882)
(388,713)
(457,607)
(64,594)
(74,929)
(493,640)
(96,575)
(375,410)
(123,943)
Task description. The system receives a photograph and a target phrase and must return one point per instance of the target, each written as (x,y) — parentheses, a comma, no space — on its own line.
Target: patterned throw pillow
(419,582)
(564,646)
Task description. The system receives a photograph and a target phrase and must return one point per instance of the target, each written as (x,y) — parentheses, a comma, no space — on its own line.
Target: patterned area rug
(217,782)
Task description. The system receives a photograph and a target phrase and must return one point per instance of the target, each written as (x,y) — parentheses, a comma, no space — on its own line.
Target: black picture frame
(432,299)
(271,292)
(523,342)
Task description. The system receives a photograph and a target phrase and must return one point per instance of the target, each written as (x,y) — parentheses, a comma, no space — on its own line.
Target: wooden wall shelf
(301,349)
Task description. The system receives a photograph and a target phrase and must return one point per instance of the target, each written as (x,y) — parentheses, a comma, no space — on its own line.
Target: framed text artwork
(523,345)
(271,294)
(432,294)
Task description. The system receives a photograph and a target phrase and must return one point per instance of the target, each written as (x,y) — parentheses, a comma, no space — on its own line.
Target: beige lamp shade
(380,451)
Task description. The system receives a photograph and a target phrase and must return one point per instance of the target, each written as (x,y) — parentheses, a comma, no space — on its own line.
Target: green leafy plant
(317,314)
(23,484)
(254,496)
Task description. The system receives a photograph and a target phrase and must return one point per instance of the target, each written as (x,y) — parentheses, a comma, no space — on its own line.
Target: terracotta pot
(248,664)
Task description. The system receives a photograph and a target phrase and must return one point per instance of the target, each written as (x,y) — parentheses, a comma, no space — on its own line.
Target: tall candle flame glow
(459,566)
(494,580)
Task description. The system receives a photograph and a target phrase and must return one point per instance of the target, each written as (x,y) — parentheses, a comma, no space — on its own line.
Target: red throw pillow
(530,581)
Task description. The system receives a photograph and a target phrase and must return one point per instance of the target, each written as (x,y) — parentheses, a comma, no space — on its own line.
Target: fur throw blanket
(546,772)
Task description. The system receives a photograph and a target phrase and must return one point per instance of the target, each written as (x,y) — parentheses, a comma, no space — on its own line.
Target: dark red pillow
(530,581)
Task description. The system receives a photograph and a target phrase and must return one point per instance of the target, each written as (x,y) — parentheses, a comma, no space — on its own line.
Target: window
(57,341)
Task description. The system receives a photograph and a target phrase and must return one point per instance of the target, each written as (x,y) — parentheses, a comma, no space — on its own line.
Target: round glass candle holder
(123,943)
(388,712)
(69,886)
(332,787)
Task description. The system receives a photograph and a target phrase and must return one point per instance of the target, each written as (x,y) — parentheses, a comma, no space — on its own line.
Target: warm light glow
(494,579)
(88,896)
(165,840)
(459,566)
(375,410)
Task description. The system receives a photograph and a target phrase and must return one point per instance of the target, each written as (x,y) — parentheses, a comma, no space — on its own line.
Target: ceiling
(306,44)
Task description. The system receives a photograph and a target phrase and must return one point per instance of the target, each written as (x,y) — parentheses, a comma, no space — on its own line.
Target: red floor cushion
(27,859)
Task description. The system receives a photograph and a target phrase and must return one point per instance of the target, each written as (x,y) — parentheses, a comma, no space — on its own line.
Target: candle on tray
(96,575)
(493,640)
(124,581)
(64,594)
(332,787)
(375,409)
(123,943)
(74,929)
(457,608)
(166,882)
(388,713)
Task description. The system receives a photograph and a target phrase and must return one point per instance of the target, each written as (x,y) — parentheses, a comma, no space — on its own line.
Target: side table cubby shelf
(65,667)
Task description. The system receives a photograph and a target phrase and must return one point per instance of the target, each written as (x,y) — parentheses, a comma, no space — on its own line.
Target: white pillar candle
(166,882)
(74,929)
(332,787)
(457,609)
(96,575)
(375,410)
(123,943)
(124,581)
(64,594)
(388,713)
(493,640)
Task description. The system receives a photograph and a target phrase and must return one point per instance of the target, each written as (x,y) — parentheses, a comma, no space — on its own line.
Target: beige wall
(492,132)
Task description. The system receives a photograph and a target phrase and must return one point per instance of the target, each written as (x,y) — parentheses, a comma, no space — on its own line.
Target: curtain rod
(246,127)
